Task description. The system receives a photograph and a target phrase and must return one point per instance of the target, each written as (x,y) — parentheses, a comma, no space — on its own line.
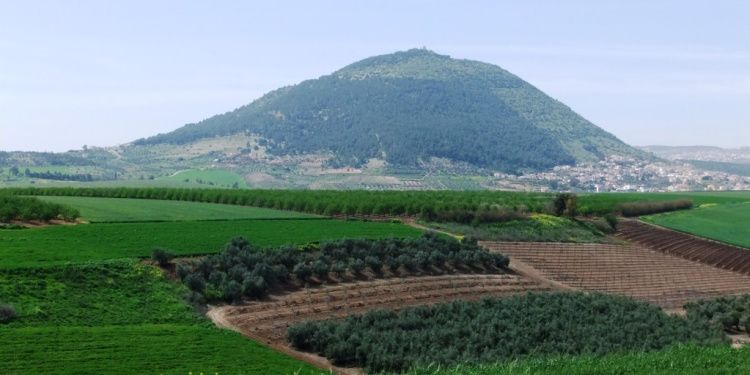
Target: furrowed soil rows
(268,320)
(632,271)
(686,246)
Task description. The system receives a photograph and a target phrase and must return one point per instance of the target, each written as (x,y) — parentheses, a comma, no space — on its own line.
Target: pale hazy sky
(101,73)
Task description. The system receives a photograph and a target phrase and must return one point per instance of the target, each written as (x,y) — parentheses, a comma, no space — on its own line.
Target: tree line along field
(381,202)
(166,315)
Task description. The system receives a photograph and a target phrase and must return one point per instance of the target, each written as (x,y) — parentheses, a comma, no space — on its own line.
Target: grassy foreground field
(129,210)
(726,223)
(679,360)
(80,243)
(118,317)
(139,349)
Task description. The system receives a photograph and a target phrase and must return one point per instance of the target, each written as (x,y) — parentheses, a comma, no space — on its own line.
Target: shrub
(356,265)
(255,286)
(232,292)
(565,204)
(182,270)
(195,282)
(302,271)
(374,263)
(612,220)
(339,268)
(647,208)
(162,256)
(320,268)
(7,313)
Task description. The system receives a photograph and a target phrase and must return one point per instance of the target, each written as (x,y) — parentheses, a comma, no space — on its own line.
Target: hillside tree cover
(411,106)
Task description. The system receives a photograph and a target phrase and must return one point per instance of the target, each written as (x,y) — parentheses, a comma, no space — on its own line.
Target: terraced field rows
(632,271)
(683,245)
(268,320)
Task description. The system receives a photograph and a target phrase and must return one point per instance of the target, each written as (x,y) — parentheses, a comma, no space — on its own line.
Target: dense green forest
(498,330)
(242,269)
(411,106)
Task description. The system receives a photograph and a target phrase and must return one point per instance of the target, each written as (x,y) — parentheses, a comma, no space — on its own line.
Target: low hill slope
(409,107)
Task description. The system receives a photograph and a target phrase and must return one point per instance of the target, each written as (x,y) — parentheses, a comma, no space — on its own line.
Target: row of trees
(327,202)
(29,208)
(730,312)
(81,177)
(443,205)
(649,208)
(242,269)
(496,330)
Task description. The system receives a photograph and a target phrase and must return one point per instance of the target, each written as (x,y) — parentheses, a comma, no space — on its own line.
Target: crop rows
(267,320)
(686,246)
(632,271)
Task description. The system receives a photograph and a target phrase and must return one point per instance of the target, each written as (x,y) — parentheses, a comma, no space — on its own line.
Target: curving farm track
(628,270)
(267,321)
(686,246)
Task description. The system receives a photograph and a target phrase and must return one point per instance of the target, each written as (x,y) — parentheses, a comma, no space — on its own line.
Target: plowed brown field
(686,246)
(628,270)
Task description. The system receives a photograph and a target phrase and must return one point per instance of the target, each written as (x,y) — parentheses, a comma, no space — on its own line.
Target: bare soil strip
(632,271)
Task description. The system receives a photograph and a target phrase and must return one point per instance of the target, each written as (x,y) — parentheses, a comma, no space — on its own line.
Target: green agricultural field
(207,177)
(140,349)
(118,317)
(130,210)
(93,294)
(726,223)
(90,242)
(679,360)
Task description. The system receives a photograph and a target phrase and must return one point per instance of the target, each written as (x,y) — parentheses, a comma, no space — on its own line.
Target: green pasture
(129,210)
(726,222)
(678,360)
(209,177)
(118,317)
(140,349)
(117,292)
(91,242)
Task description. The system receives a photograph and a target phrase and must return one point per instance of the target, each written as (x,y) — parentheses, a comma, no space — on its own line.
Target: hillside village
(621,174)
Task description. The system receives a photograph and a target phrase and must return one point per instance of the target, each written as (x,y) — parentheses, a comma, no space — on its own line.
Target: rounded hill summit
(409,107)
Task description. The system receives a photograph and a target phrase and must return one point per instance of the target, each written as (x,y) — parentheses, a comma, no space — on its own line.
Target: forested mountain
(411,106)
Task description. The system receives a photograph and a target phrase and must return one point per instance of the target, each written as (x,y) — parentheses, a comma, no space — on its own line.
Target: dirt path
(218,315)
(410,221)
